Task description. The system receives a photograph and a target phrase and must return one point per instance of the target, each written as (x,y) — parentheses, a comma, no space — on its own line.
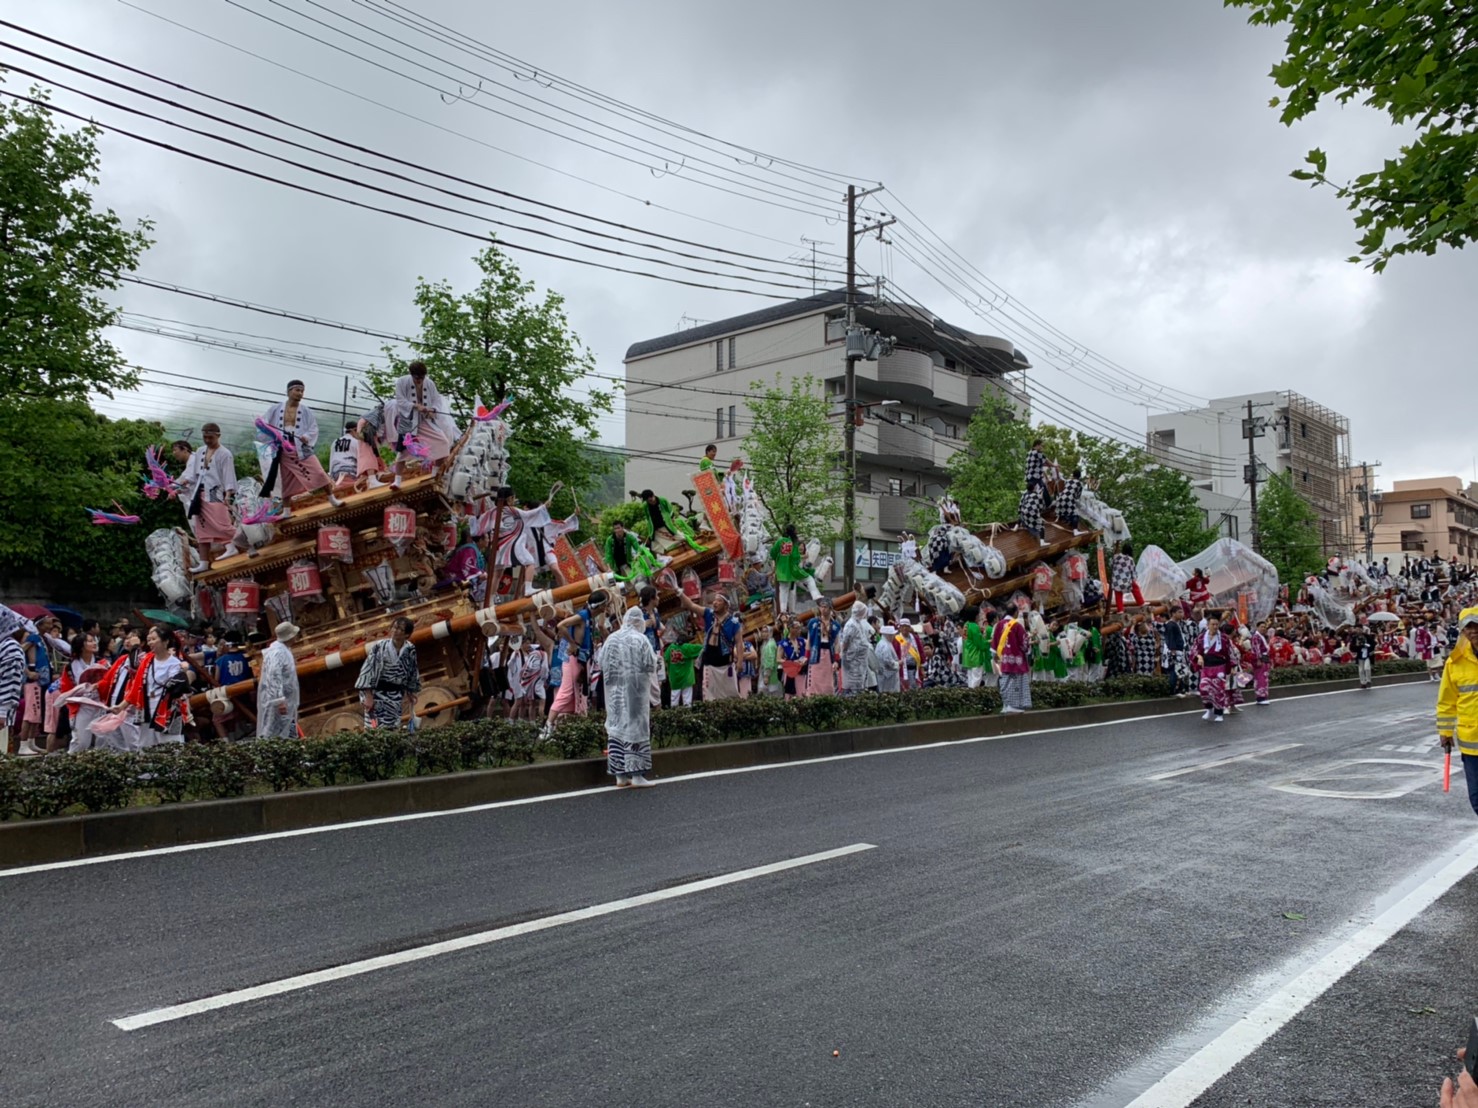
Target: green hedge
(99,781)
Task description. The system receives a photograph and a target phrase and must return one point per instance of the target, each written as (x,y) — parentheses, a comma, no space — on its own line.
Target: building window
(1229,525)
(1412,540)
(718,356)
(907,418)
(718,423)
(731,353)
(949,363)
(731,421)
(951,431)
(1303,428)
(1421,511)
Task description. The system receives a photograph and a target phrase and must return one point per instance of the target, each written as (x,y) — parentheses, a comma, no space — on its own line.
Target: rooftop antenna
(813,243)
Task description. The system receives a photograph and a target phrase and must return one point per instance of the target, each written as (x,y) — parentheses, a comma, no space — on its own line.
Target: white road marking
(1222,762)
(1302,980)
(467,942)
(1424,773)
(354,825)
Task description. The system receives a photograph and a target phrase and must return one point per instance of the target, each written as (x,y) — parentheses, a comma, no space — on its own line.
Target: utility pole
(854,354)
(1253,431)
(1366,522)
(344,411)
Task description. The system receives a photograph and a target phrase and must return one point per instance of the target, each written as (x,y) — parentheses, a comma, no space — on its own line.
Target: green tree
(57,458)
(58,256)
(1414,60)
(1288,530)
(500,342)
(985,477)
(792,453)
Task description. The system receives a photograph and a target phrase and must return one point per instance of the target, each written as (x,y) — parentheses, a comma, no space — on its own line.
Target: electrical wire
(419,167)
(394,194)
(810,209)
(644,201)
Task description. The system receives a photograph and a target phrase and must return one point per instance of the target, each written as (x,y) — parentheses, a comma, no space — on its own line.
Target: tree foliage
(1414,60)
(57,458)
(57,257)
(1288,530)
(792,453)
(986,476)
(499,342)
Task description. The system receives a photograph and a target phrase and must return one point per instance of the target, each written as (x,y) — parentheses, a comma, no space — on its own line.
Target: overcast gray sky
(1113,167)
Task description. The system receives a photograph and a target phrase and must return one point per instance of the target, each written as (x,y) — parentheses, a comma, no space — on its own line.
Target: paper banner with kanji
(589,560)
(717,510)
(566,562)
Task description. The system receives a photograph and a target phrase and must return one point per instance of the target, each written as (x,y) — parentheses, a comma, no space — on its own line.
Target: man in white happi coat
(421,411)
(522,537)
(207,489)
(300,473)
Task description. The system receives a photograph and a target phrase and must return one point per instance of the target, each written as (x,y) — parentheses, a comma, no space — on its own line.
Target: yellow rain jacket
(1457,697)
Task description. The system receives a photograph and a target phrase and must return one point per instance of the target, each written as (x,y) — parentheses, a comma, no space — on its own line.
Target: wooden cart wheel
(429,697)
(334,723)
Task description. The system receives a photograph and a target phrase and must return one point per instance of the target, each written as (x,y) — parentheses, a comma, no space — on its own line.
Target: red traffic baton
(1447,772)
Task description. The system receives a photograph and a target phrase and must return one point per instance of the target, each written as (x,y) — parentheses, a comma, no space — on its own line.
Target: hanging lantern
(243,598)
(1077,567)
(304,581)
(692,584)
(207,606)
(399,528)
(726,572)
(335,542)
(449,535)
(1042,578)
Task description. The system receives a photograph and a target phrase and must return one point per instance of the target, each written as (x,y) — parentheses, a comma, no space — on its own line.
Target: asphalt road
(1048,919)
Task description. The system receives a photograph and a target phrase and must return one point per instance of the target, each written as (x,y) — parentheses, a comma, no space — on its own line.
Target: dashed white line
(467,942)
(1221,762)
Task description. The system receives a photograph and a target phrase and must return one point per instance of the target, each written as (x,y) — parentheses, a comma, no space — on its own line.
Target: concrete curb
(70,837)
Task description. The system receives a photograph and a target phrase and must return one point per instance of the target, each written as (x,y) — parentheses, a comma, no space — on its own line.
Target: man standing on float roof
(301,473)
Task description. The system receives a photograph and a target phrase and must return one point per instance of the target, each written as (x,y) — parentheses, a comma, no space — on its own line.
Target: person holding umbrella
(1457,700)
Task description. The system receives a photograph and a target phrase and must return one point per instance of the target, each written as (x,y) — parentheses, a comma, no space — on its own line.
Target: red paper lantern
(400,523)
(335,542)
(1042,579)
(243,598)
(205,600)
(726,571)
(304,582)
(449,535)
(1077,567)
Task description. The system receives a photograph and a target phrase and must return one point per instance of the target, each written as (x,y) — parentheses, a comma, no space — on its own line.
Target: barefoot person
(298,468)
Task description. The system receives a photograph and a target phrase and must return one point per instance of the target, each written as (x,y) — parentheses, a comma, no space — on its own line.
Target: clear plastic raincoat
(277,685)
(627,663)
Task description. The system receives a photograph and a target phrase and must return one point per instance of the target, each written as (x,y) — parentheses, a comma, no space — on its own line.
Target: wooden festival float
(344,573)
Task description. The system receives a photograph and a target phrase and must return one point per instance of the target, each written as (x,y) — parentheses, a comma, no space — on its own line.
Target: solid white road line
(467,942)
(1301,981)
(354,825)
(1221,762)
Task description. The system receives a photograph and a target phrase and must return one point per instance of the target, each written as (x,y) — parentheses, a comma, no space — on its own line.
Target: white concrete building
(688,389)
(1301,438)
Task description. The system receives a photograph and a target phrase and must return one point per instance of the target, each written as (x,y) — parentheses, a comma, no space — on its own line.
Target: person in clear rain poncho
(627,662)
(277,688)
(854,646)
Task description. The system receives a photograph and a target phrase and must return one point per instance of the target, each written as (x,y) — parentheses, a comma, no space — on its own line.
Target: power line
(644,201)
(394,194)
(617,106)
(810,210)
(356,147)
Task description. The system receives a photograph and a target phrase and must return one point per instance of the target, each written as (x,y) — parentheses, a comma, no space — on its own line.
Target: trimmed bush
(100,780)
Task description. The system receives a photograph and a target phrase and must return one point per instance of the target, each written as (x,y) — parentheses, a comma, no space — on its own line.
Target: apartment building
(1298,437)
(1430,517)
(687,389)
